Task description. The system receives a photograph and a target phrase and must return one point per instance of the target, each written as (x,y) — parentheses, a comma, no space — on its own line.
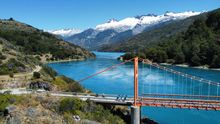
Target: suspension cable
(183,74)
(107,69)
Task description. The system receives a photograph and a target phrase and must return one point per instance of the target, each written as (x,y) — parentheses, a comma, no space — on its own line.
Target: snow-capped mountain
(118,30)
(143,21)
(64,32)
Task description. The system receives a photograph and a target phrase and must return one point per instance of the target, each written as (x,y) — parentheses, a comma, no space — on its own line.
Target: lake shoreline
(178,65)
(119,113)
(187,66)
(65,60)
(119,81)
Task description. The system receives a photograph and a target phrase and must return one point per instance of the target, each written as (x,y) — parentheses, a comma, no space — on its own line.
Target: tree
(204,53)
(195,60)
(49,71)
(156,54)
(216,61)
(213,20)
(11,19)
(179,57)
(161,56)
(141,55)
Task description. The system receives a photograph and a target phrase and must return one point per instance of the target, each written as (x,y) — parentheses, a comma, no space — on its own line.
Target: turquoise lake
(120,81)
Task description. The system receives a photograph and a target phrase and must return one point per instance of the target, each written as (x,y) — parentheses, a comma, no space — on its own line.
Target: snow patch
(64,32)
(145,20)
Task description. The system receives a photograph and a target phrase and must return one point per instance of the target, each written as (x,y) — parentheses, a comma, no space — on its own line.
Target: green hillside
(23,51)
(198,45)
(23,46)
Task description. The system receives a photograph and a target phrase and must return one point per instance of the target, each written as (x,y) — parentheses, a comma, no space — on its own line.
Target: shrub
(12,65)
(11,74)
(2,57)
(36,75)
(7,99)
(71,105)
(1,85)
(73,85)
(11,19)
(67,84)
(38,58)
(88,110)
(49,71)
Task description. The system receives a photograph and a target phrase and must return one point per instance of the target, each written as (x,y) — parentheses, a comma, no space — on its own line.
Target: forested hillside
(153,36)
(34,41)
(21,49)
(23,46)
(199,45)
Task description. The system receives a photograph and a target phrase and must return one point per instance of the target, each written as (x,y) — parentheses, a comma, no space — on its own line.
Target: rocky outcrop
(40,85)
(147,121)
(31,115)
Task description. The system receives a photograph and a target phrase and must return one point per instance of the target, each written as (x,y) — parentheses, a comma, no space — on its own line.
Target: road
(98,98)
(128,101)
(20,75)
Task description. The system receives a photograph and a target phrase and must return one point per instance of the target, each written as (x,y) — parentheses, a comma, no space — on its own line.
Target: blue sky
(82,14)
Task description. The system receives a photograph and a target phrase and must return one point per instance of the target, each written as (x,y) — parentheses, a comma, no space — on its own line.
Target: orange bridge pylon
(135,81)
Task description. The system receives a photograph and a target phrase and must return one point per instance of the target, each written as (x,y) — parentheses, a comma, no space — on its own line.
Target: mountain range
(114,30)
(193,41)
(64,32)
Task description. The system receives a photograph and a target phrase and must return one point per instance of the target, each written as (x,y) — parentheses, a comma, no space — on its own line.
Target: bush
(67,84)
(49,71)
(7,99)
(71,105)
(87,110)
(38,58)
(11,19)
(2,57)
(73,86)
(12,65)
(36,75)
(11,74)
(128,56)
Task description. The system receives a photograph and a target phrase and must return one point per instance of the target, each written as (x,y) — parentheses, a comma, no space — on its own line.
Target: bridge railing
(181,96)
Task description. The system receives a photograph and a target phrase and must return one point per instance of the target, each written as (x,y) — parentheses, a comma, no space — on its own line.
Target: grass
(63,83)
(66,108)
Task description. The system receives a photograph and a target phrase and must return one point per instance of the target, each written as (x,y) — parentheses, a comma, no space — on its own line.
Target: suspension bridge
(189,91)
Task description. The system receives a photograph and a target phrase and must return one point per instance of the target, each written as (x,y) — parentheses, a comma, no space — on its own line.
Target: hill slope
(198,45)
(114,31)
(152,36)
(23,46)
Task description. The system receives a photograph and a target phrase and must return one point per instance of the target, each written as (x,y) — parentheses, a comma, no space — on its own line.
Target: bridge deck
(181,103)
(150,100)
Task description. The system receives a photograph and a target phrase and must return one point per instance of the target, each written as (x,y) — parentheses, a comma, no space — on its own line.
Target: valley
(24,54)
(114,31)
(109,62)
